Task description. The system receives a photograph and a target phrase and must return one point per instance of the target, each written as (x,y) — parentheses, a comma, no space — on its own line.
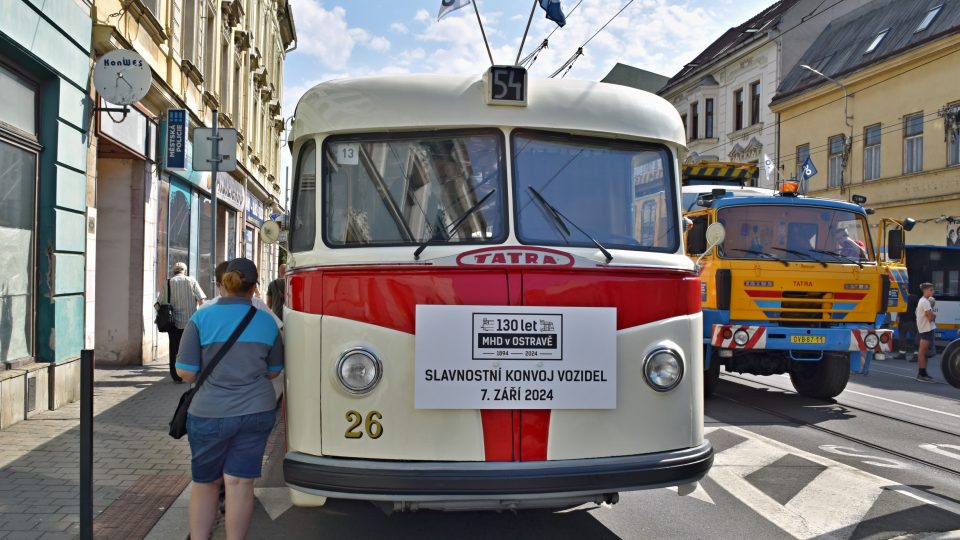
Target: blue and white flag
(554,13)
(449,6)
(806,171)
(768,166)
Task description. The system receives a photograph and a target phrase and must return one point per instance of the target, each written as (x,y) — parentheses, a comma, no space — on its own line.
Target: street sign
(203,157)
(176,151)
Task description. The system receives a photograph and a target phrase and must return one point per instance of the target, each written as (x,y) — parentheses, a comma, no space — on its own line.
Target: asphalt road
(882,461)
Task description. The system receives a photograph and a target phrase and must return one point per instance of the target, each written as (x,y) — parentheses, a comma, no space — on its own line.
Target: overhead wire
(568,65)
(528,60)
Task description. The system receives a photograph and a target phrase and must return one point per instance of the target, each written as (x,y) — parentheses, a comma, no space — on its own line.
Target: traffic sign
(203,158)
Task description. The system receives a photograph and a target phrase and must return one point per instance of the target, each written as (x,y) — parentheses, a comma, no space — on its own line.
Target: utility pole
(215,163)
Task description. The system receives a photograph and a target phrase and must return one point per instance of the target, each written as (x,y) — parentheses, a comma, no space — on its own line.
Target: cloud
(334,44)
(399,28)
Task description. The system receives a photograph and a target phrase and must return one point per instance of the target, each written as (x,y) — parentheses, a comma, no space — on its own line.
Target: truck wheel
(824,379)
(711,375)
(950,363)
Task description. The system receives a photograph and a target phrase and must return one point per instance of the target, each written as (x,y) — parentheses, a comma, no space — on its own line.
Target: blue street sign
(176,150)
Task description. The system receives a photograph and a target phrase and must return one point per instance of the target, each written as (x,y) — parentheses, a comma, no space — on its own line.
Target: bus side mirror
(715,235)
(895,244)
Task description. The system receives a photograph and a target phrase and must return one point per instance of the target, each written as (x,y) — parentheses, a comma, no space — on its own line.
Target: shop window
(178,236)
(18,219)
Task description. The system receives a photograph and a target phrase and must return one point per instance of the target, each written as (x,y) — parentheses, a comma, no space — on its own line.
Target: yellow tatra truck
(793,287)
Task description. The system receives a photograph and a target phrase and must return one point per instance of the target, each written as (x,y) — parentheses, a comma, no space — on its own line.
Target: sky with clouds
(352,38)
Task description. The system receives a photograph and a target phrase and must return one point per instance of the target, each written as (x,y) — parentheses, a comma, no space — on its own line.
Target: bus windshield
(388,190)
(795,233)
(619,193)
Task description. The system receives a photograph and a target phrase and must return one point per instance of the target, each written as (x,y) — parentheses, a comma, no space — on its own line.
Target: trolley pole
(215,162)
(86,444)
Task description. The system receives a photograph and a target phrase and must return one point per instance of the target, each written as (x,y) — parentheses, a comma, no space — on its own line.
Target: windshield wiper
(802,254)
(559,218)
(553,214)
(763,253)
(839,256)
(455,225)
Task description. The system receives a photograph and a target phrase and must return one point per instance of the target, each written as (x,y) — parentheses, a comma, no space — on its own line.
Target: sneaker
(912,360)
(925,378)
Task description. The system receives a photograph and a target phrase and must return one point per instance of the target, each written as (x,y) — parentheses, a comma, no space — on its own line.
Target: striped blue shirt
(239,384)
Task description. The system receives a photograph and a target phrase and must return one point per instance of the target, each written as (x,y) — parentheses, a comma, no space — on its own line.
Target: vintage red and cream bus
(488,302)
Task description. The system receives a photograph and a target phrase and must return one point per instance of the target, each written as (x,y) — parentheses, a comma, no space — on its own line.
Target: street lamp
(842,86)
(846,118)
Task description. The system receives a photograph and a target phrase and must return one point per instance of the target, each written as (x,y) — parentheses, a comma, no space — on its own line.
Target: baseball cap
(245,267)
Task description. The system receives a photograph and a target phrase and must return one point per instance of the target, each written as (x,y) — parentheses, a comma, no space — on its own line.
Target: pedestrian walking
(925,328)
(185,295)
(276,292)
(232,415)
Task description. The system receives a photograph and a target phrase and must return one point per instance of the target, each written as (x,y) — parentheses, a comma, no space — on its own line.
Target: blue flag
(806,171)
(552,7)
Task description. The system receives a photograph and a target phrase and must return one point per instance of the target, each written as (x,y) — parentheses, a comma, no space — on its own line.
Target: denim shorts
(232,445)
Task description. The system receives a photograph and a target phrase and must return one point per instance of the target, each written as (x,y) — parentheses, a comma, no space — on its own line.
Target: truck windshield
(619,194)
(410,189)
(796,233)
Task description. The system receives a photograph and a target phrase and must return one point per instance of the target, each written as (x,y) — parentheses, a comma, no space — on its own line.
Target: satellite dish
(270,232)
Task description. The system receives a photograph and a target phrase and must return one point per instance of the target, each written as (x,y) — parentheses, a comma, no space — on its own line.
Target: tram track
(858,440)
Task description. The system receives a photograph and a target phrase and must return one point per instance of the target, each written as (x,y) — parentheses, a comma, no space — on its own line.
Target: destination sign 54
(515,357)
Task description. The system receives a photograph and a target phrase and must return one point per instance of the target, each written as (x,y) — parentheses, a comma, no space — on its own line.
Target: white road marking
(853,452)
(905,404)
(829,506)
(275,500)
(939,449)
(700,494)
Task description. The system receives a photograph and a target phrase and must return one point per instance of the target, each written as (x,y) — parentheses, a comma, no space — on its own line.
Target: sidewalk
(139,470)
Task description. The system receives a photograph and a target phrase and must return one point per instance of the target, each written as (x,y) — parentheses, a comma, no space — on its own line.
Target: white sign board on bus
(515,357)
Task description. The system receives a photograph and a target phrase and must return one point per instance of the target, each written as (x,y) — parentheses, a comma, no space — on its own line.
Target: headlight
(741,337)
(871,341)
(359,370)
(663,369)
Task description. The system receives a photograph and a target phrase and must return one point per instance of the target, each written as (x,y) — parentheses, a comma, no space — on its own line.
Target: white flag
(448,6)
(768,165)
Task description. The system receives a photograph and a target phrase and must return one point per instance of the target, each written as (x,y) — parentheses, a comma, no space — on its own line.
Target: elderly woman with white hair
(184,294)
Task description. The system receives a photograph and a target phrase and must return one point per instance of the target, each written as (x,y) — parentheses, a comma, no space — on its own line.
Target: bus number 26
(372,425)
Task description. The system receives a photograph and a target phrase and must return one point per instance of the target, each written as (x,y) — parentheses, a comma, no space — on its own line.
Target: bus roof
(422,101)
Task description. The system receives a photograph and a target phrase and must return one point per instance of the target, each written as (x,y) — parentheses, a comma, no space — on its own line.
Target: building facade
(44,131)
(206,55)
(723,94)
(878,113)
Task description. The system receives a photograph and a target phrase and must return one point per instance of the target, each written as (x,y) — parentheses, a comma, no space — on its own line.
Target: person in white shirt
(925,327)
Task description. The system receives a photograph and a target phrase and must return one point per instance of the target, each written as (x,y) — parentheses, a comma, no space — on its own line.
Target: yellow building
(205,56)
(875,104)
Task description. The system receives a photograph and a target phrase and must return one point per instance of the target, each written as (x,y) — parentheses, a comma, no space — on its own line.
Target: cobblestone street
(138,469)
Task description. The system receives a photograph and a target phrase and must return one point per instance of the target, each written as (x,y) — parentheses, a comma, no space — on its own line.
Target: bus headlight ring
(741,337)
(871,341)
(663,369)
(359,370)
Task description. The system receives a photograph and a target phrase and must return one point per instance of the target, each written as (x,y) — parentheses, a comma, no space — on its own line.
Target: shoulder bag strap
(226,346)
(169,300)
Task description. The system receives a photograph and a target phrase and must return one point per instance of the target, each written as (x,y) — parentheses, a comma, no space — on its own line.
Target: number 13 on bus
(489,306)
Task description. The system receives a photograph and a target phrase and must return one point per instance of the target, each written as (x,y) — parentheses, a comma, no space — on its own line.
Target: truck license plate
(808,339)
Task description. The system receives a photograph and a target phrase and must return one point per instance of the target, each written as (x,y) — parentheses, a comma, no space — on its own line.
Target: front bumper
(347,478)
(785,338)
